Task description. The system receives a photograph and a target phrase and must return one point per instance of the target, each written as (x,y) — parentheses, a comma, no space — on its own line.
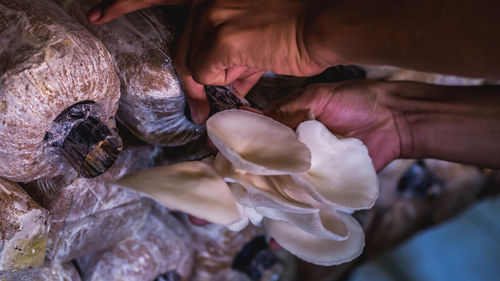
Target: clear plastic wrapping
(89,215)
(48,62)
(55,272)
(152,105)
(24,227)
(215,249)
(161,246)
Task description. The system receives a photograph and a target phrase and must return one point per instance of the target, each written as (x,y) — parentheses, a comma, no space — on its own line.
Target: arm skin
(234,41)
(460,124)
(404,119)
(445,36)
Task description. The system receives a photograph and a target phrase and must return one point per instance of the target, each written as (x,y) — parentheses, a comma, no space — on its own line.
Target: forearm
(455,37)
(460,124)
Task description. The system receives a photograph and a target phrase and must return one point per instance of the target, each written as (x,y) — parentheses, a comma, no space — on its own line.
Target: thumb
(290,111)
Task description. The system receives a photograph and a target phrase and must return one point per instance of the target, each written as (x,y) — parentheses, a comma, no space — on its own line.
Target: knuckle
(199,78)
(203,76)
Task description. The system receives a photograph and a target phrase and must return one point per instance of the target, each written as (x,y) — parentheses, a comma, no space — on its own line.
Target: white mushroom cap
(273,179)
(257,144)
(193,187)
(316,249)
(341,173)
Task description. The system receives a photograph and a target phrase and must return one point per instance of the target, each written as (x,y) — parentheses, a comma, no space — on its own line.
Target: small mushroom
(257,144)
(193,187)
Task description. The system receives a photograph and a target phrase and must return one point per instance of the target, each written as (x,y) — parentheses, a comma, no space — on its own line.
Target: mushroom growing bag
(162,246)
(49,63)
(24,227)
(55,272)
(89,215)
(152,104)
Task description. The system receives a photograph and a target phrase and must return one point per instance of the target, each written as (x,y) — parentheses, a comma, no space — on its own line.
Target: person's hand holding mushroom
(404,119)
(233,42)
(300,185)
(351,109)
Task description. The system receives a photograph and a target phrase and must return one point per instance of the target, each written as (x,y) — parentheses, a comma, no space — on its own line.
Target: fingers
(245,83)
(210,48)
(203,58)
(196,98)
(218,64)
(108,10)
(251,109)
(218,52)
(290,111)
(194,92)
(313,102)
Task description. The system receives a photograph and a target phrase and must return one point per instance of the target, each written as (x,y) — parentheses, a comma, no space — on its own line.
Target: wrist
(457,124)
(394,100)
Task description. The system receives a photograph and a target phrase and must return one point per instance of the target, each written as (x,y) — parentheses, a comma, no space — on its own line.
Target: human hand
(108,10)
(234,42)
(355,108)
(227,42)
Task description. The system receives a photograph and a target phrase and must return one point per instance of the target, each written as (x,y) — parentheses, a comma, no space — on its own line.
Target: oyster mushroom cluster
(301,186)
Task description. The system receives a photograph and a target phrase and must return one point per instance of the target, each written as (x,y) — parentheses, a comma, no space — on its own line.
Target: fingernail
(95,15)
